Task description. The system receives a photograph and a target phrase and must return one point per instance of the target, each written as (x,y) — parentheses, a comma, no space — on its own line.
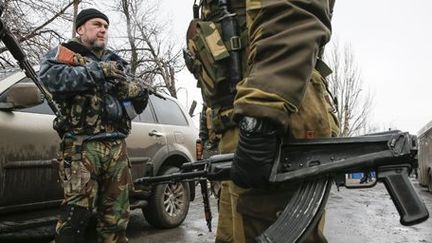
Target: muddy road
(368,215)
(354,216)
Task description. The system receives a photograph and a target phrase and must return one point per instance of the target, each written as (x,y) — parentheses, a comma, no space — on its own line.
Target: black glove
(256,150)
(140,102)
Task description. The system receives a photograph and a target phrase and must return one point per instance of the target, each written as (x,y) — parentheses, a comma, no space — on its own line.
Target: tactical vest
(210,52)
(95,112)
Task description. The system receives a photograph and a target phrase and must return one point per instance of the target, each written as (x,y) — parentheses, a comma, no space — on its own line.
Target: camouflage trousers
(96,175)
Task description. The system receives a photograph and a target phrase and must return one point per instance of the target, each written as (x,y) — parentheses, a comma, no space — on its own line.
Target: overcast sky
(392,43)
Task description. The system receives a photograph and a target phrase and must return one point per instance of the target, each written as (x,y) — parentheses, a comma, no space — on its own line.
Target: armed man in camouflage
(281,91)
(97,104)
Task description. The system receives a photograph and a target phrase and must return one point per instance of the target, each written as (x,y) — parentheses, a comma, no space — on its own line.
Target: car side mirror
(21,95)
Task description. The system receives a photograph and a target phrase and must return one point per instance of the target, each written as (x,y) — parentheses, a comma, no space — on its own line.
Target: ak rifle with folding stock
(311,163)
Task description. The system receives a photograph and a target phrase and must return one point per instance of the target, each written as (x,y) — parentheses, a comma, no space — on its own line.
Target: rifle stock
(391,154)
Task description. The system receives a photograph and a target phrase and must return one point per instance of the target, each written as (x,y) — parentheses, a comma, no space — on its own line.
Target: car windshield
(4,73)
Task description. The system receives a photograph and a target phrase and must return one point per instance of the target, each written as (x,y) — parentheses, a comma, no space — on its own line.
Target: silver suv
(162,138)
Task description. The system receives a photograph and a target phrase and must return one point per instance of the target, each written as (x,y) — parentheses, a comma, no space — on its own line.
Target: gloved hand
(130,89)
(133,91)
(256,150)
(112,70)
(209,145)
(140,102)
(80,60)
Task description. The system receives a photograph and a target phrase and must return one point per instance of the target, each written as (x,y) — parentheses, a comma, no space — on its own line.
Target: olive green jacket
(285,39)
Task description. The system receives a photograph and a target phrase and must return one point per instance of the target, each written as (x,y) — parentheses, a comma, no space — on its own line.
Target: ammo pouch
(207,57)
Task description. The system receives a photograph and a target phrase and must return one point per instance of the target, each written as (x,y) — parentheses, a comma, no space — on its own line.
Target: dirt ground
(368,215)
(354,216)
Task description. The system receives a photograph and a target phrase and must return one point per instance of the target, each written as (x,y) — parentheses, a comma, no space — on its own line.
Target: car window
(147,115)
(168,112)
(3,76)
(4,73)
(3,96)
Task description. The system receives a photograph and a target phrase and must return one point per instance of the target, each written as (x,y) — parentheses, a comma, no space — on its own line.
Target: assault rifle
(312,164)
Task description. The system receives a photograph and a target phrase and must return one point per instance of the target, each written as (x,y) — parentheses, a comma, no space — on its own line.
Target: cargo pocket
(207,55)
(324,72)
(313,118)
(72,172)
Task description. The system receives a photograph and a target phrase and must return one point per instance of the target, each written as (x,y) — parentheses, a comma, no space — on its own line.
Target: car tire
(169,204)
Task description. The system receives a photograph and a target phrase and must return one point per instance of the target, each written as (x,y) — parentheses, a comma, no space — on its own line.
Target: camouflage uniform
(94,167)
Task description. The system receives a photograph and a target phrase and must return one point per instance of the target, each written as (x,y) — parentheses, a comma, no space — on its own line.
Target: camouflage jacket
(89,104)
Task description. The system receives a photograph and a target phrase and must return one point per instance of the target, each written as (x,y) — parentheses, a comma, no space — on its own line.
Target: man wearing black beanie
(92,26)
(89,84)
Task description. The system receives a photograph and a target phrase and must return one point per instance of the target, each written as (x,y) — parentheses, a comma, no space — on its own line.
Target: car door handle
(155,133)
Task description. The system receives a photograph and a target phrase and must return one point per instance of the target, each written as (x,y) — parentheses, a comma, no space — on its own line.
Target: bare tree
(152,56)
(346,84)
(37,25)
(74,15)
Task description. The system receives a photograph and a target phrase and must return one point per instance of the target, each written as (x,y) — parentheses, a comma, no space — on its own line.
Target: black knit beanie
(89,13)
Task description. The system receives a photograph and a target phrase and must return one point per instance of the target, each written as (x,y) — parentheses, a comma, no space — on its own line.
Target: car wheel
(169,204)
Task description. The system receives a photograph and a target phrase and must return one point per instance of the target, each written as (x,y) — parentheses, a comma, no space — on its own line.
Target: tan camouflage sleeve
(285,37)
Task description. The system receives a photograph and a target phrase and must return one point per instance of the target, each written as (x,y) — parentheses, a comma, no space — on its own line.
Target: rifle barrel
(17,52)
(171,178)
